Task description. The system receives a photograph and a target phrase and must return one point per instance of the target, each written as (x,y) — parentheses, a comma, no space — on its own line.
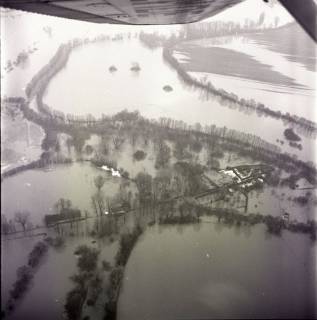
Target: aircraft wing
(153,11)
(125,11)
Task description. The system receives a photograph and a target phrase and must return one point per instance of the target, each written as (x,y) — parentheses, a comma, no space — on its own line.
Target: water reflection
(171,269)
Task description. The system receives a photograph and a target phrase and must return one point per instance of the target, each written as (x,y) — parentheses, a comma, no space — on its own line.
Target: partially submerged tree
(98,203)
(117,142)
(22,217)
(139,155)
(163,156)
(89,149)
(73,305)
(144,185)
(99,182)
(88,257)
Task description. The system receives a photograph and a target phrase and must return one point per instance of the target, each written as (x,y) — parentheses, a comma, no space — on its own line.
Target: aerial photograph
(158,159)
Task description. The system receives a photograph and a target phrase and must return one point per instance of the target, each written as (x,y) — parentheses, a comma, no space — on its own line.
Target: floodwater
(125,89)
(46,296)
(38,190)
(210,271)
(178,272)
(112,92)
(194,271)
(299,100)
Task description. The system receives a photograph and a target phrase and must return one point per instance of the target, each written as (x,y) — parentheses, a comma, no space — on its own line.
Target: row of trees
(309,126)
(40,81)
(230,140)
(274,225)
(126,245)
(87,277)
(206,30)
(21,218)
(25,275)
(221,28)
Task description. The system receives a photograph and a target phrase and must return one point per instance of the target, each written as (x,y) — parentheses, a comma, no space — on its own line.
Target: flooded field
(46,301)
(21,141)
(148,95)
(39,190)
(159,211)
(215,272)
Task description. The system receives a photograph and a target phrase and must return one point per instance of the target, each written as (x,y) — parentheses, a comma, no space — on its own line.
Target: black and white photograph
(158,159)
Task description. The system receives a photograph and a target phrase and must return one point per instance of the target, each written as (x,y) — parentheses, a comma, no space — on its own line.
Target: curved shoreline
(240,142)
(53,120)
(304,124)
(39,83)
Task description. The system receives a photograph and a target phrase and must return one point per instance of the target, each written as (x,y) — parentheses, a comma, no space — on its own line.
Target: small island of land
(113,69)
(290,135)
(167,88)
(135,67)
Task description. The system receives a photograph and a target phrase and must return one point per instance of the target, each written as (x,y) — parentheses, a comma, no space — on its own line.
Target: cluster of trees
(206,30)
(191,173)
(64,212)
(37,253)
(25,275)
(165,128)
(144,182)
(163,155)
(127,243)
(243,144)
(296,145)
(115,281)
(20,286)
(291,135)
(183,179)
(85,278)
(302,200)
(109,210)
(21,218)
(186,214)
(221,28)
(139,155)
(274,225)
(21,58)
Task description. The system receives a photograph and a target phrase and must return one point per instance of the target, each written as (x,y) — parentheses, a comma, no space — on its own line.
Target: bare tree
(98,204)
(99,182)
(22,218)
(117,142)
(133,138)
